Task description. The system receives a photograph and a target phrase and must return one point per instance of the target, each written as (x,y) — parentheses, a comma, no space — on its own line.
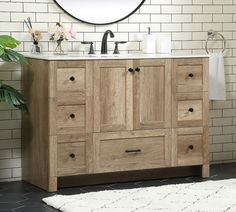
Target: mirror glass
(100,11)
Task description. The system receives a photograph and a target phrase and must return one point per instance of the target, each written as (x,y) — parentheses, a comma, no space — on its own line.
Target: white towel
(216,77)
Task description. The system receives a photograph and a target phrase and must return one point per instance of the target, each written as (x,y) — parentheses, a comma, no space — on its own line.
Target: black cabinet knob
(190,75)
(131,70)
(137,69)
(190,109)
(72,155)
(72,78)
(191,147)
(72,115)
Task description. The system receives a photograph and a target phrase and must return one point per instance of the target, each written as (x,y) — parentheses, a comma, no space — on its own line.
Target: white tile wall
(186,21)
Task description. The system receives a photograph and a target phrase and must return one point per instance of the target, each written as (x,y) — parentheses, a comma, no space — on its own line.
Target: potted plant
(7,93)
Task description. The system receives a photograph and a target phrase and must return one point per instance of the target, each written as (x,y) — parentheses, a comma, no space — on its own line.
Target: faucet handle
(116,50)
(91,50)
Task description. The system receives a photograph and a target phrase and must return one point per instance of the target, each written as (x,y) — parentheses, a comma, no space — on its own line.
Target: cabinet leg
(205,171)
(52,184)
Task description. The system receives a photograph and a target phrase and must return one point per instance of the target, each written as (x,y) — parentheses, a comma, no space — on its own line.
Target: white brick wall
(186,21)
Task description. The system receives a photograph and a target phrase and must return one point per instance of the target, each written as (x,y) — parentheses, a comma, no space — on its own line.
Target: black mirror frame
(101,23)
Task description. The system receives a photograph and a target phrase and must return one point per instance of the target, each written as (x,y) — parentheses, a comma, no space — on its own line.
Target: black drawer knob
(191,147)
(137,69)
(72,78)
(190,75)
(72,155)
(131,70)
(72,115)
(190,109)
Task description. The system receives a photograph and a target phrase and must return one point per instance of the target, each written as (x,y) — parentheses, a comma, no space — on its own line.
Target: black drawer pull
(133,151)
(72,115)
(72,78)
(72,155)
(137,69)
(190,109)
(190,75)
(191,147)
(131,70)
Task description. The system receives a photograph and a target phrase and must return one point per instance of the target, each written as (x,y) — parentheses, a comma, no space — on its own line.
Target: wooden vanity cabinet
(100,116)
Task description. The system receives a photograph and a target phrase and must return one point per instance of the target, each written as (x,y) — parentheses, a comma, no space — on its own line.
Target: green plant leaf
(1,51)
(13,97)
(11,55)
(7,41)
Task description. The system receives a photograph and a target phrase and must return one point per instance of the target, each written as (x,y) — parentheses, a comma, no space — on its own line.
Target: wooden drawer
(70,86)
(70,79)
(71,119)
(190,75)
(190,149)
(71,158)
(130,152)
(190,109)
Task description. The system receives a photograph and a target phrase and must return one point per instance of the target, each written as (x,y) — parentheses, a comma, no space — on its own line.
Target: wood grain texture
(190,75)
(152,94)
(198,138)
(190,90)
(71,85)
(71,158)
(35,125)
(113,120)
(131,151)
(187,155)
(188,109)
(112,93)
(71,118)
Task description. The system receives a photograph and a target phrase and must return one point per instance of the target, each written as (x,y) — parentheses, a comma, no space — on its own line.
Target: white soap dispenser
(149,43)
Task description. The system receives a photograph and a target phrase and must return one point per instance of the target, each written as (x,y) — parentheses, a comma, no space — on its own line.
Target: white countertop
(74,56)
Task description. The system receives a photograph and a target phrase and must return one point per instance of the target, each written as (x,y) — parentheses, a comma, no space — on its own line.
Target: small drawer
(190,75)
(70,79)
(190,149)
(71,119)
(189,110)
(130,154)
(71,158)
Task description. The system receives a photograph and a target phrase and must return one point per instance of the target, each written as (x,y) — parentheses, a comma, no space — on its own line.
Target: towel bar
(211,35)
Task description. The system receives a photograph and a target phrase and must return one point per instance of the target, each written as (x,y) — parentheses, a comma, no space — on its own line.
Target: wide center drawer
(121,154)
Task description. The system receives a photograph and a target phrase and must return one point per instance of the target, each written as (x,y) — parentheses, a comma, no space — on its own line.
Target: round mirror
(100,11)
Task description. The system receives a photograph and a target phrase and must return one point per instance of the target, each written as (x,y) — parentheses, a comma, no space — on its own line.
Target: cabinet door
(152,94)
(131,150)
(112,95)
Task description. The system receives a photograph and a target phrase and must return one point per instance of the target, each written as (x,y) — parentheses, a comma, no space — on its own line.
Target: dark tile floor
(23,197)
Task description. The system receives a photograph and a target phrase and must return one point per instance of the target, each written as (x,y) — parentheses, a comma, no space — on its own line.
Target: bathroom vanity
(106,114)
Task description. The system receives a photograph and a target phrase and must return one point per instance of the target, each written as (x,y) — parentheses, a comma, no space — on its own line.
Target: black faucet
(104,41)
